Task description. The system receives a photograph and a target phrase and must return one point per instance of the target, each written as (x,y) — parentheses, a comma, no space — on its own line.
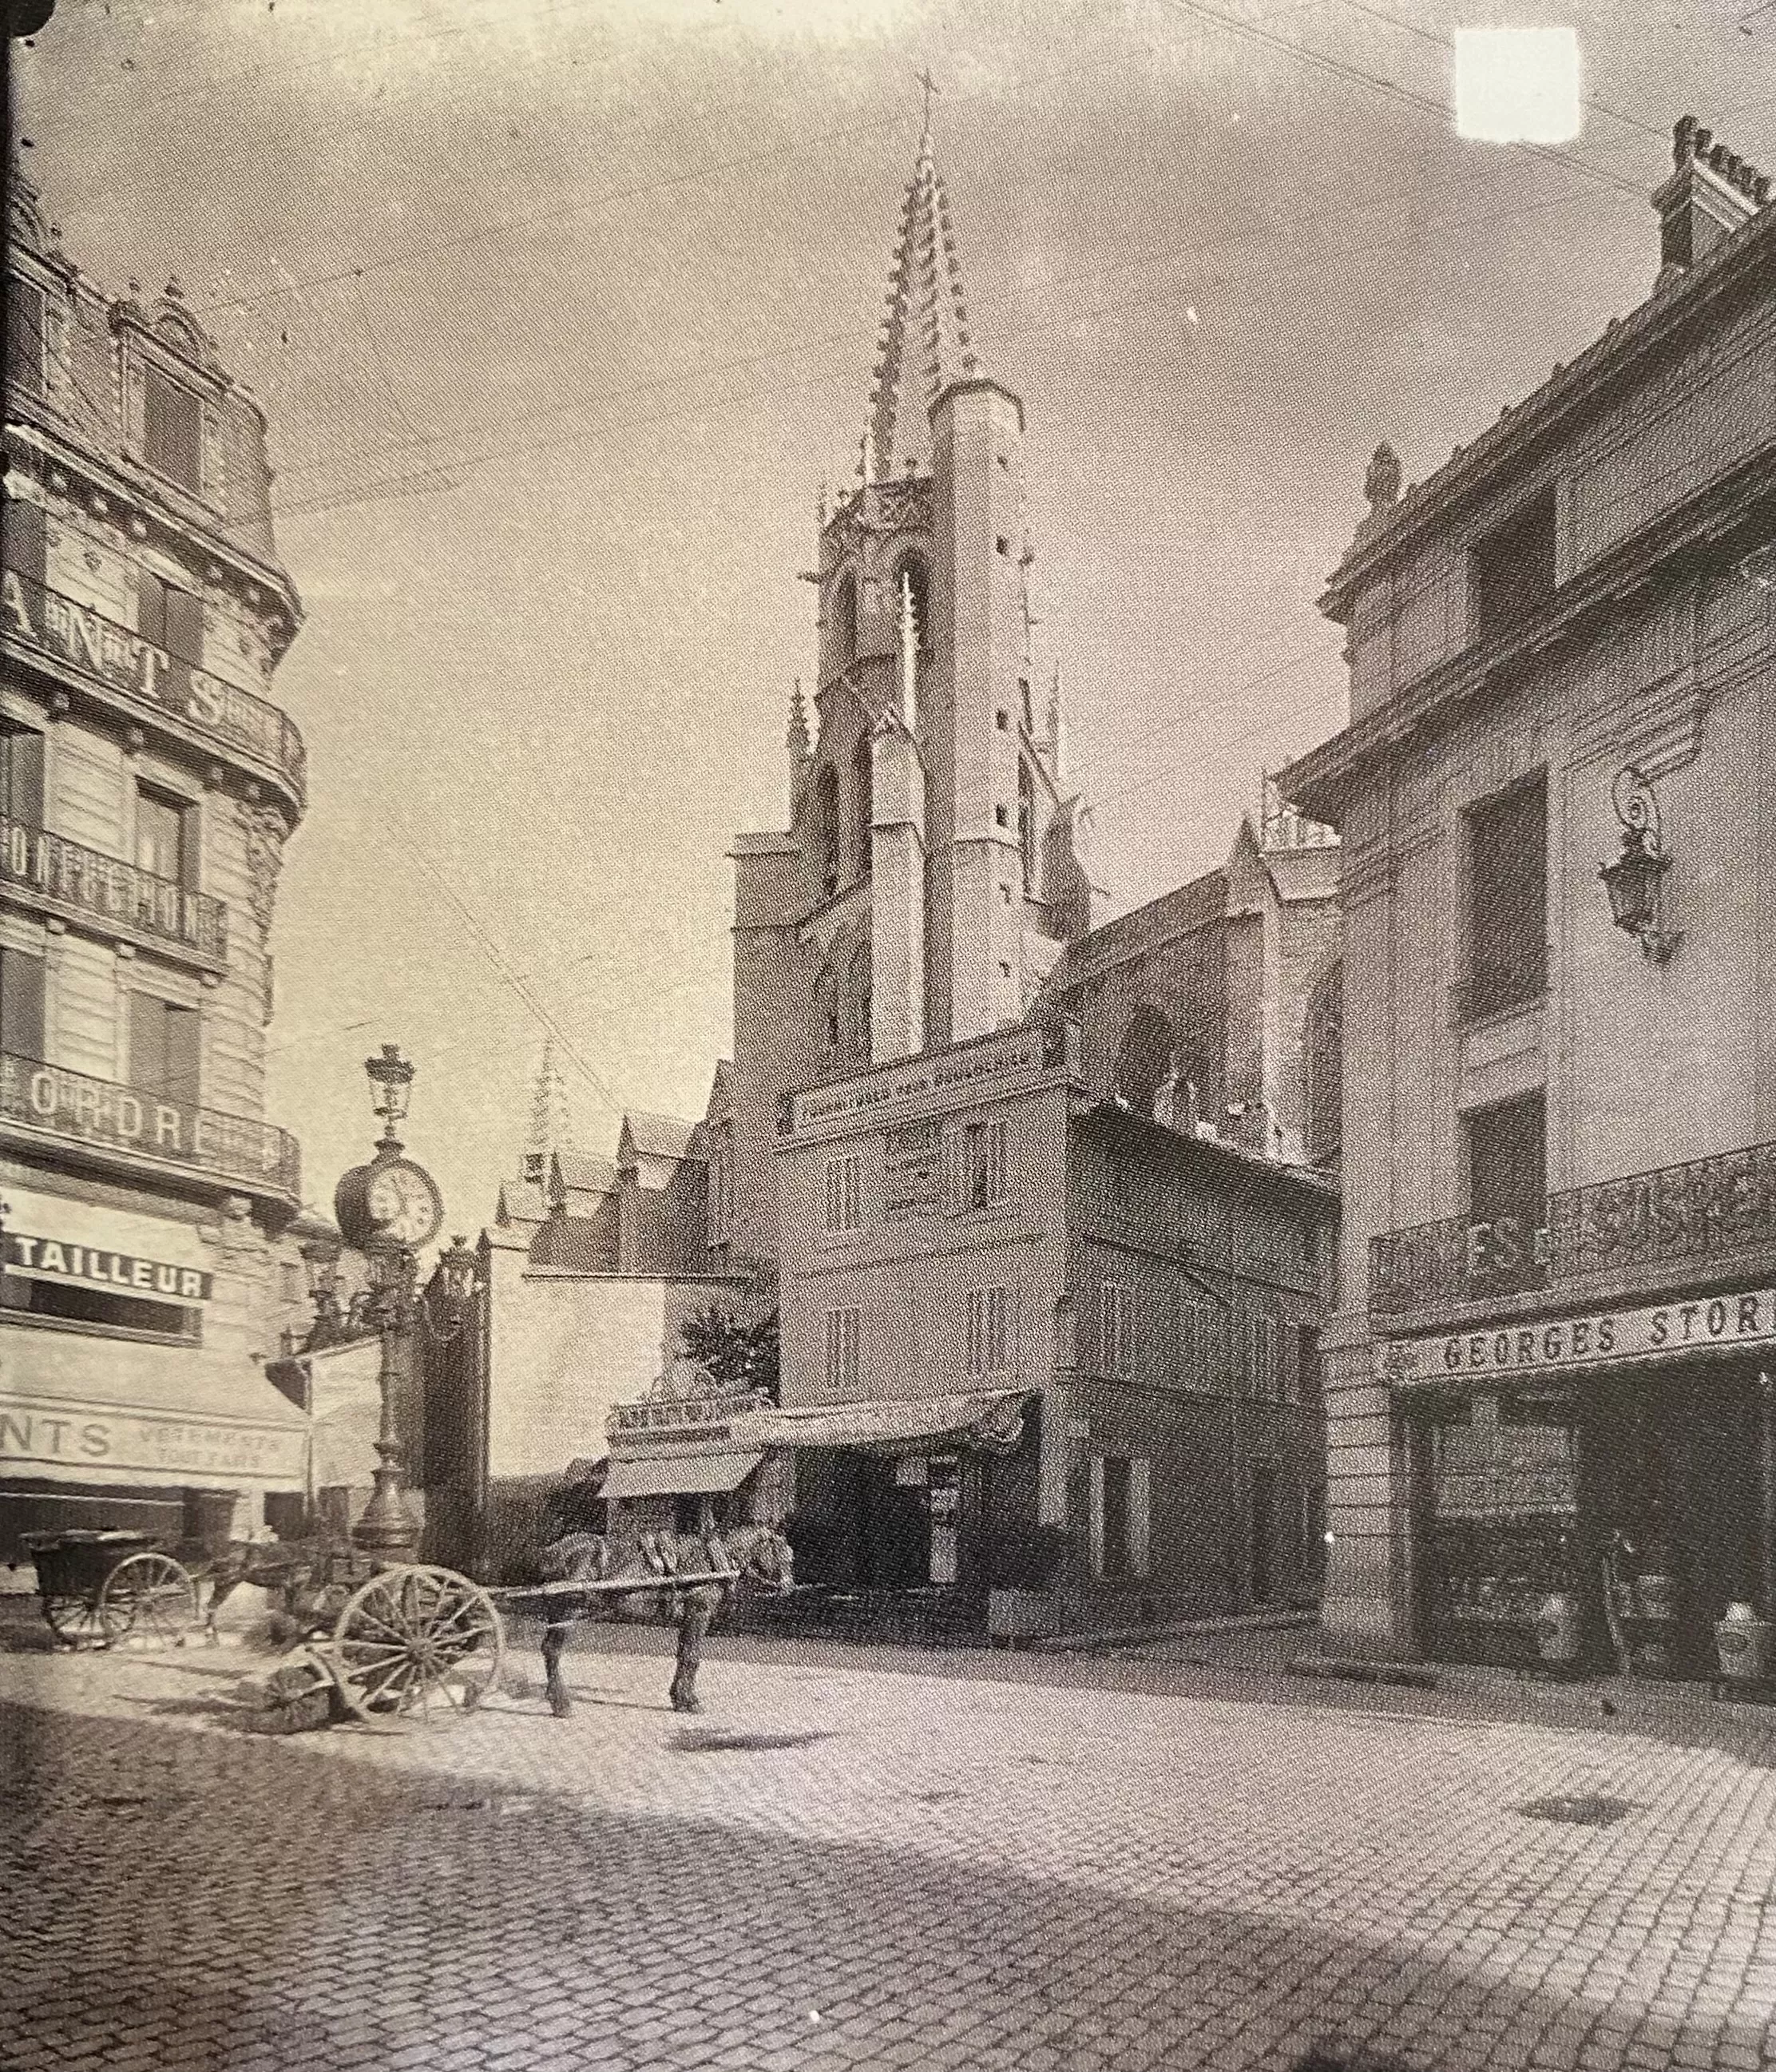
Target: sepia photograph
(887,1036)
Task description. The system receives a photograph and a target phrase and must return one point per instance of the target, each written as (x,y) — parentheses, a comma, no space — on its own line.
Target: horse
(304,1575)
(755,1551)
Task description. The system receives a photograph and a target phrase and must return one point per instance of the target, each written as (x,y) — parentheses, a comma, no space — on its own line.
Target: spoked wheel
(74,1618)
(152,1596)
(418,1643)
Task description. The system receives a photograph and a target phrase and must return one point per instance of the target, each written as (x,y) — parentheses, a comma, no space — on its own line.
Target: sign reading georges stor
(1602,1338)
(54,1259)
(73,1439)
(943,1078)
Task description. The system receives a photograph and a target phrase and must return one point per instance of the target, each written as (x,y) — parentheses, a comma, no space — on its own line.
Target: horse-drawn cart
(100,1588)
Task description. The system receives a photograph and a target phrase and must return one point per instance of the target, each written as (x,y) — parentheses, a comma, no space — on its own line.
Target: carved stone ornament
(1381,484)
(266,833)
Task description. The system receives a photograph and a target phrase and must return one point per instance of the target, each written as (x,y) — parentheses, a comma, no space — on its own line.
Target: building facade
(147,787)
(1557,1332)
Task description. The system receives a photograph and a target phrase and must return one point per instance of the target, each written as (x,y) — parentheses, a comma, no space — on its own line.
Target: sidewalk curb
(1084,1643)
(1355,1669)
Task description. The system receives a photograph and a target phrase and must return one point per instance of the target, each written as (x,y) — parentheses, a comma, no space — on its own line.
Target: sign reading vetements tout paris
(1602,1338)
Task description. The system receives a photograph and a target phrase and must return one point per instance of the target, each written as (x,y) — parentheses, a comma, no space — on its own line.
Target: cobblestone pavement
(840,1867)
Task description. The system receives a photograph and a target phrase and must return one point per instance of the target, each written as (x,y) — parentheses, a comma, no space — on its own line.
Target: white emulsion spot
(1518,85)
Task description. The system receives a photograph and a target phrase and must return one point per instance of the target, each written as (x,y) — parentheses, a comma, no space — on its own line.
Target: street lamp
(1632,881)
(391,1089)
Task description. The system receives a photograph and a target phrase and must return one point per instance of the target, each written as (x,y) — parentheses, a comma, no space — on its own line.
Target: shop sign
(67,1435)
(54,1259)
(985,1069)
(1602,1337)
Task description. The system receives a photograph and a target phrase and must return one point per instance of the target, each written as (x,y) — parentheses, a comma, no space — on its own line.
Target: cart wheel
(152,1595)
(299,1696)
(74,1618)
(418,1642)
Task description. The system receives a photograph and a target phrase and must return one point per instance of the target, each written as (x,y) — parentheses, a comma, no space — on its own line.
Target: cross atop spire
(923,345)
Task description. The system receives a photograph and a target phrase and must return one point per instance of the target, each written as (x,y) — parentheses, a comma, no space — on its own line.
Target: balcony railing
(73,1107)
(1496,984)
(64,873)
(1692,1216)
(56,626)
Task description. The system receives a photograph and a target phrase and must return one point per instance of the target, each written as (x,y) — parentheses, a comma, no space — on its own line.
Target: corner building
(1558,1335)
(147,787)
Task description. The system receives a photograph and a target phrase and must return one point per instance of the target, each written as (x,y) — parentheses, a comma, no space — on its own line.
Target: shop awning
(991,1419)
(680,1475)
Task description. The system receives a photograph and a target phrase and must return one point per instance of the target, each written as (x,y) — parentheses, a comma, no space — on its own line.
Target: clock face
(404,1202)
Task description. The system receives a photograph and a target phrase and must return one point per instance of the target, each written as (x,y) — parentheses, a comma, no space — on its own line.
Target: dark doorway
(1264,1530)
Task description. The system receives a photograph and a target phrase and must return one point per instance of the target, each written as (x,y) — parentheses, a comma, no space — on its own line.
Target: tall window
(21,1004)
(1027,827)
(844,621)
(170,618)
(1116,1328)
(826,807)
(24,548)
(911,576)
(1119,1526)
(1507,900)
(980,1177)
(1507,1186)
(721,1187)
(1322,1058)
(989,1338)
(863,791)
(163,838)
(172,430)
(1265,1375)
(22,775)
(844,1194)
(24,335)
(841,1367)
(1513,566)
(163,1047)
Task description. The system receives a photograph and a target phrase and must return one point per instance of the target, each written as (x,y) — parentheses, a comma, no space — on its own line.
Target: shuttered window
(21,1004)
(172,619)
(24,550)
(24,336)
(1116,1328)
(172,430)
(841,1365)
(844,1194)
(162,837)
(163,1048)
(22,775)
(1120,1533)
(989,1331)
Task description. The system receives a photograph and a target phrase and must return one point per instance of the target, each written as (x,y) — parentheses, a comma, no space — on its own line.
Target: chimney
(1711,192)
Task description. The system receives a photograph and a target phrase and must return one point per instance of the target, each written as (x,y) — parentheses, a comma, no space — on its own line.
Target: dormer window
(172,430)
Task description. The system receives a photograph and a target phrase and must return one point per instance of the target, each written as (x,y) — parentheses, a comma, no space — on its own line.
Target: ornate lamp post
(389,1208)
(1633,880)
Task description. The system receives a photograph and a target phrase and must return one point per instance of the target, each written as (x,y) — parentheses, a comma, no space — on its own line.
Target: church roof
(648,1135)
(923,345)
(581,1172)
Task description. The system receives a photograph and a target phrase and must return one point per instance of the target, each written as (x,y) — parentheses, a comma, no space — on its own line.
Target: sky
(563,310)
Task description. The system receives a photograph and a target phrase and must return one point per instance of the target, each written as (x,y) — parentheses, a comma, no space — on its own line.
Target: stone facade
(1567,629)
(149,788)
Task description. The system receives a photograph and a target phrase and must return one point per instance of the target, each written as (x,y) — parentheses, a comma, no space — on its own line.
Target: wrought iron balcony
(68,1107)
(63,876)
(1697,1214)
(73,634)
(1497,984)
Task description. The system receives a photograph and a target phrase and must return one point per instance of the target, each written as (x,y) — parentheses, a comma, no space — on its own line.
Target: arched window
(1027,826)
(912,574)
(826,810)
(1323,1066)
(844,621)
(863,791)
(1143,1064)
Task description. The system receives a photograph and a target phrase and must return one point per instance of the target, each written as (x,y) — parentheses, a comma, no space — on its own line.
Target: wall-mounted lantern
(1633,881)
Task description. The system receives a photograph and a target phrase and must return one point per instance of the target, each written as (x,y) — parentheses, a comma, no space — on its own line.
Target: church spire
(551,1128)
(923,345)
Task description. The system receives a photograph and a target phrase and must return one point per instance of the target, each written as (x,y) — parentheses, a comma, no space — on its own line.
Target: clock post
(389,1208)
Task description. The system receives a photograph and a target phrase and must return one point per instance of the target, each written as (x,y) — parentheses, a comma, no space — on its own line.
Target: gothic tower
(927,881)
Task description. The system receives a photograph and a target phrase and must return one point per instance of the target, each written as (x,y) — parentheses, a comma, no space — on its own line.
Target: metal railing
(1494,984)
(74,876)
(75,1108)
(1693,1214)
(74,633)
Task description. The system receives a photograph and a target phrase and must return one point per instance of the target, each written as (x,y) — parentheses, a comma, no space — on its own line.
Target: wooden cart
(98,1588)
